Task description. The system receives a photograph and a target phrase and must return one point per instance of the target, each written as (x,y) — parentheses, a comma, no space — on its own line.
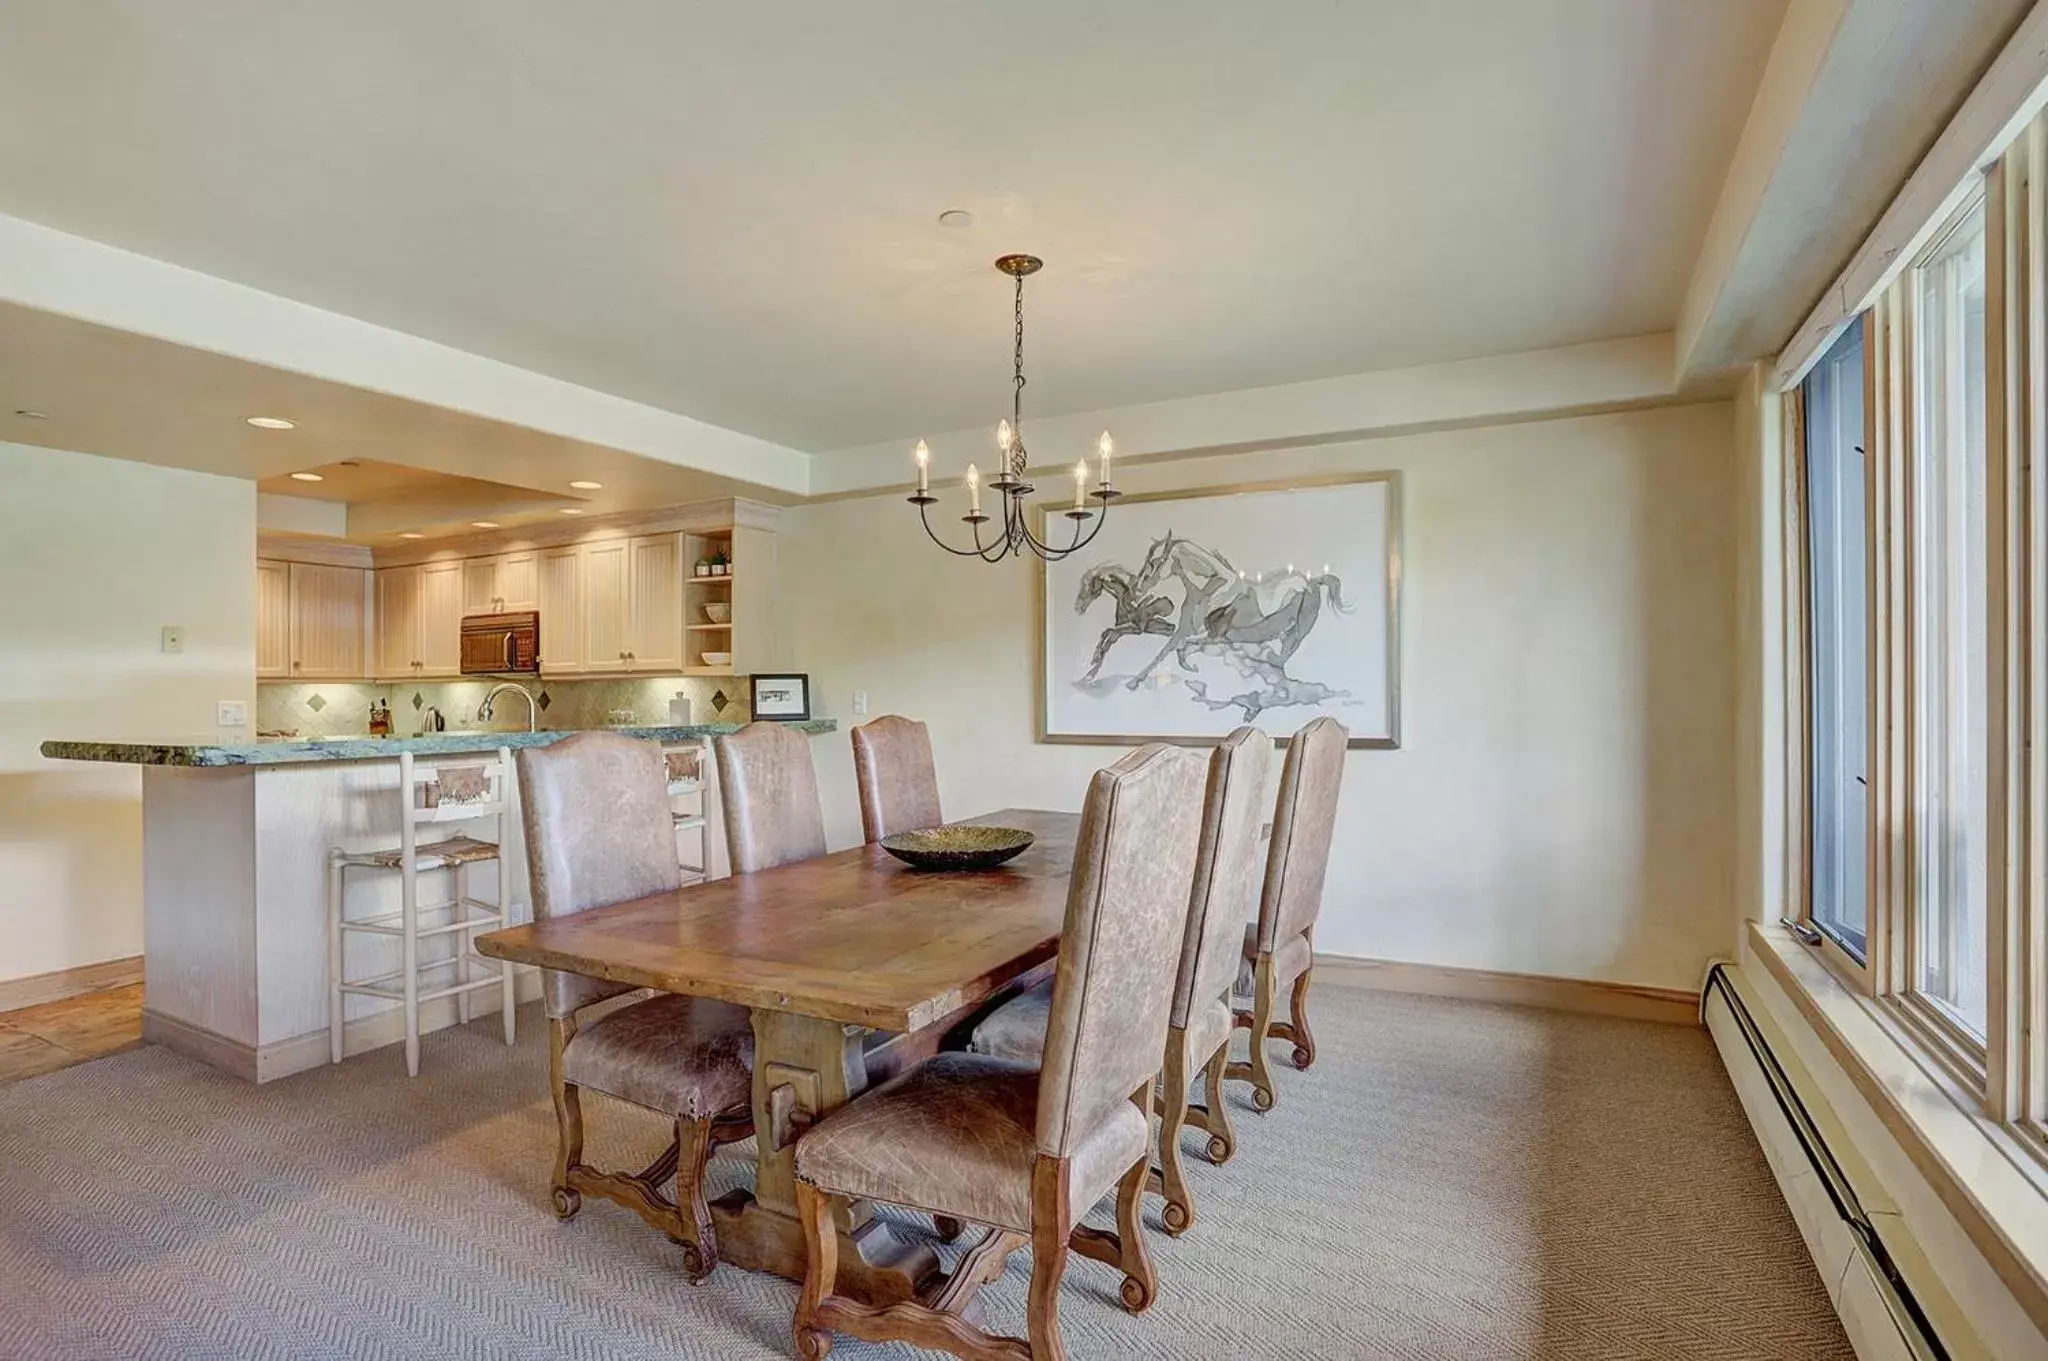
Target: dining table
(853,966)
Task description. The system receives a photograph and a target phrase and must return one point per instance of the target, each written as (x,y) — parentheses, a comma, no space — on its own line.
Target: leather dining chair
(899,785)
(598,831)
(1027,1150)
(768,788)
(1221,898)
(1279,948)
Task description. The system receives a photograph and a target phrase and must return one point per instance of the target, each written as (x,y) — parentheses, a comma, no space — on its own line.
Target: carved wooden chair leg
(700,1241)
(1297,1009)
(1141,1282)
(1178,1215)
(1259,1072)
(821,1271)
(1049,1234)
(568,1123)
(1222,1138)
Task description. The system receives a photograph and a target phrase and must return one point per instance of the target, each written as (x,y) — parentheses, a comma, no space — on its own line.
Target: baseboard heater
(1793,1140)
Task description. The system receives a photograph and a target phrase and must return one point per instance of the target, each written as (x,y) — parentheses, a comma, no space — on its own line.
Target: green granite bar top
(286,753)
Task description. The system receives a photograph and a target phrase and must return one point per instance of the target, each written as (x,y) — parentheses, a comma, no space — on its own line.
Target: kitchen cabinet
(273,620)
(654,613)
(607,582)
(419,621)
(558,595)
(493,585)
(326,605)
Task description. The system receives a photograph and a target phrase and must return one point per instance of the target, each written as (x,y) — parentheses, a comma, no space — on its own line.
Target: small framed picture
(782,699)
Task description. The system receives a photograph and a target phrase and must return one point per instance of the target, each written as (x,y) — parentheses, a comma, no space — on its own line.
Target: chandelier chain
(1017,394)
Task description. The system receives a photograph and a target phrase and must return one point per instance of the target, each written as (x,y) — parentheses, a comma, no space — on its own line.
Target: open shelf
(707,628)
(708,581)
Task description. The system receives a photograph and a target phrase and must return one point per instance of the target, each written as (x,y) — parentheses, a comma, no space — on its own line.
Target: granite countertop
(285,753)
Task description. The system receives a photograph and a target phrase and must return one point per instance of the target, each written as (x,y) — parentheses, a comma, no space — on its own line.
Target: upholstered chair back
(1304,824)
(1126,913)
(899,785)
(1227,864)
(598,831)
(769,790)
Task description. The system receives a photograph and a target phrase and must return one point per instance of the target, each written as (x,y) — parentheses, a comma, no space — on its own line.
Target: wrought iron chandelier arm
(924,518)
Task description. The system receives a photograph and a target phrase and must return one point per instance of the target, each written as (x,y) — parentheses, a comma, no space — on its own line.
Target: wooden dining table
(854,966)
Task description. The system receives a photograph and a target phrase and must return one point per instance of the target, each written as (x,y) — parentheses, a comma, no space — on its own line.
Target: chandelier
(1009,485)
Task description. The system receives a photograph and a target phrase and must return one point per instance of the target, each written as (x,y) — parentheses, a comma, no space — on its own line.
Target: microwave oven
(501,644)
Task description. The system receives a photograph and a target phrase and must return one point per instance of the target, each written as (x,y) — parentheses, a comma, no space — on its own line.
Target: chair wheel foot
(1137,1296)
(567,1202)
(1220,1149)
(1303,1058)
(1262,1098)
(698,1262)
(1177,1218)
(813,1344)
(947,1228)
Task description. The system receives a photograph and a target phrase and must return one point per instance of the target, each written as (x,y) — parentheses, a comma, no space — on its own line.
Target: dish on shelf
(718,611)
(717,658)
(957,847)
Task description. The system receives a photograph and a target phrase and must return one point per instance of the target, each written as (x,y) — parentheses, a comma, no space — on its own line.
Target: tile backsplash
(342,708)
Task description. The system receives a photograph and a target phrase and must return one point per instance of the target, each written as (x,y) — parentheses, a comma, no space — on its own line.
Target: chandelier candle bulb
(1080,484)
(1106,447)
(924,467)
(973,490)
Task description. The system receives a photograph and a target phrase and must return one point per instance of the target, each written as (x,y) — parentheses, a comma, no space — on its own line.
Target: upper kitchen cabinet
(631,605)
(273,620)
(494,585)
(419,620)
(326,604)
(558,594)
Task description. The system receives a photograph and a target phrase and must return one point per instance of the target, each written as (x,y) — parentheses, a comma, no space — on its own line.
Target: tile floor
(42,1039)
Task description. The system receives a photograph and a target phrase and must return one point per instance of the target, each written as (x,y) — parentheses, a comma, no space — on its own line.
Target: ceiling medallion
(1009,483)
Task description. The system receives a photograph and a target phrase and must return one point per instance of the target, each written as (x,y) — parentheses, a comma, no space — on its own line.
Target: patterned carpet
(1453,1181)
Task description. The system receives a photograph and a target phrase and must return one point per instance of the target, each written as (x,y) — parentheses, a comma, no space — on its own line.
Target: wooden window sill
(1990,1178)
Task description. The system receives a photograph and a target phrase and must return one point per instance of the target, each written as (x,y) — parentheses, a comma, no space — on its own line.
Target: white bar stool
(449,794)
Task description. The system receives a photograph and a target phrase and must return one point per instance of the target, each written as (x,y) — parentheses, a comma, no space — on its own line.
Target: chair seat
(956,1136)
(1016,1029)
(681,1056)
(456,850)
(1290,961)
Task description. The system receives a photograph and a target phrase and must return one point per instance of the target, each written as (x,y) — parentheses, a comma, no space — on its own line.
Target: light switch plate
(860,704)
(173,638)
(232,713)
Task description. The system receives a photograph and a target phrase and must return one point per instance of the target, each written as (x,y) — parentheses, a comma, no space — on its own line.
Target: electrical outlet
(860,704)
(232,713)
(173,638)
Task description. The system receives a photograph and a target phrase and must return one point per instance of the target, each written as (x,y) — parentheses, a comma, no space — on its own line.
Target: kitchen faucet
(483,713)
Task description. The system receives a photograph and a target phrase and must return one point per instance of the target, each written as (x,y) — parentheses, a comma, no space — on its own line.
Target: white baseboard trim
(1671,1005)
(35,989)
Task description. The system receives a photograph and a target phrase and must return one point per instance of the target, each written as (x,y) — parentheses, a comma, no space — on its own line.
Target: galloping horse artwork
(1196,611)
(1254,624)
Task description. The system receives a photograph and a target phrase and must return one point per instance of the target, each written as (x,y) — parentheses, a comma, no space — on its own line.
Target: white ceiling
(728,210)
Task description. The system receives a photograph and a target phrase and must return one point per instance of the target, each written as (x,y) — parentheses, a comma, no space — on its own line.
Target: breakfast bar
(236,843)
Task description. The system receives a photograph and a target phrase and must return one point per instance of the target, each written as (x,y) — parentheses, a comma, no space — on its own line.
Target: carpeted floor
(1452,1181)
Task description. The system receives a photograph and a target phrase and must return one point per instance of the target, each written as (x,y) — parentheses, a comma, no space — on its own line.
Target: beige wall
(96,555)
(1564,801)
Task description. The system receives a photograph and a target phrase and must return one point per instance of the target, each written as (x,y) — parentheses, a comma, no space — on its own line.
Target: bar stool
(427,797)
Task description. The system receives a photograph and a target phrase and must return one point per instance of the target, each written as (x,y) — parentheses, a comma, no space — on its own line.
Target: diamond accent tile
(316,703)
(543,701)
(719,701)
(416,700)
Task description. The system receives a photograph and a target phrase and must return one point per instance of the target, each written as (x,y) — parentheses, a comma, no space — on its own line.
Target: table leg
(821,1063)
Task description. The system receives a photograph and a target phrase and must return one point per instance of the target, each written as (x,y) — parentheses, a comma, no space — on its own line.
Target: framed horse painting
(1192,612)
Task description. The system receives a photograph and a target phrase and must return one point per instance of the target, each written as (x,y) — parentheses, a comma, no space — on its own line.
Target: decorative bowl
(718,611)
(718,659)
(959,846)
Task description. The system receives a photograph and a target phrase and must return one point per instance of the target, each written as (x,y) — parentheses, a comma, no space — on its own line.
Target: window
(1947,947)
(1839,643)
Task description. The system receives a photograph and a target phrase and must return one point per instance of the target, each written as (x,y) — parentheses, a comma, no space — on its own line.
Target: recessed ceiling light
(956,218)
(28,415)
(307,477)
(483,524)
(270,422)
(588,486)
(568,510)
(410,534)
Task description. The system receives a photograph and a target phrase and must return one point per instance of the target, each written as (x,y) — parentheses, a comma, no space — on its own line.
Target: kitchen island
(235,845)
